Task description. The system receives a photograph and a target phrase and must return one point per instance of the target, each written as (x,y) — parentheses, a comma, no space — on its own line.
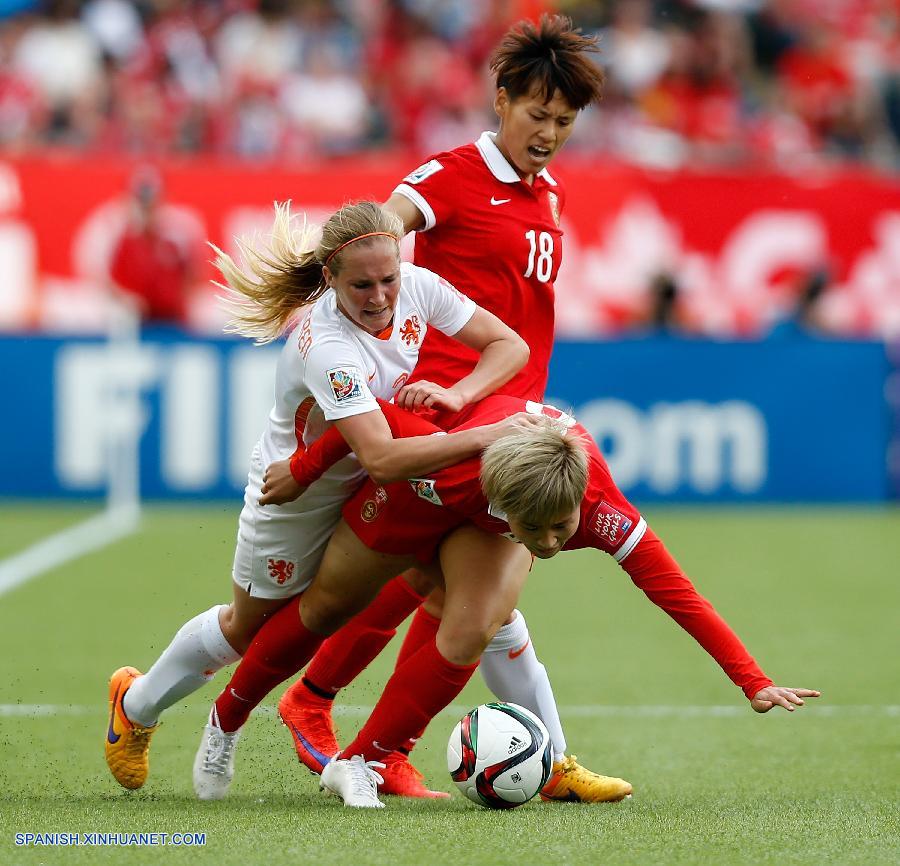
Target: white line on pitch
(75,541)
(572,711)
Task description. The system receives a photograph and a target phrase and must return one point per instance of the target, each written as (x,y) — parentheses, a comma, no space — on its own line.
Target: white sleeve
(336,376)
(444,306)
(420,202)
(418,185)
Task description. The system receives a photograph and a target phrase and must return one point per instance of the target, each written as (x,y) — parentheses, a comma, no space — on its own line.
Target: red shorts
(392,519)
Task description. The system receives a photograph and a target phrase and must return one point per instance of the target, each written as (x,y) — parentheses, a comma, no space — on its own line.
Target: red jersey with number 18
(498,240)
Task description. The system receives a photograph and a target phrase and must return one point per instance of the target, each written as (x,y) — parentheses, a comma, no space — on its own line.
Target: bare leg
(483,576)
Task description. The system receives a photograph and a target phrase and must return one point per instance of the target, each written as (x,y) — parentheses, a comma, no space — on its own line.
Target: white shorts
(279,548)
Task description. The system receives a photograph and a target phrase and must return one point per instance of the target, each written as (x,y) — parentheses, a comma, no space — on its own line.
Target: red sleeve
(308,464)
(655,571)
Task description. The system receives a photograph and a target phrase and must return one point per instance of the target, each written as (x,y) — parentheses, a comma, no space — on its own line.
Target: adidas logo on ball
(514,744)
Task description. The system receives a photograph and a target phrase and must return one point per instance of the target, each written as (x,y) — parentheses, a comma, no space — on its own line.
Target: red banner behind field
(737,246)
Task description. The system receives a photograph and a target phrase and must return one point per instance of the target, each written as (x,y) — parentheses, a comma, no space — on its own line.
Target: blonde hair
(536,475)
(286,274)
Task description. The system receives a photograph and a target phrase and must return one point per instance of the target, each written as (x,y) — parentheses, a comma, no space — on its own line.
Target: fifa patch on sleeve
(431,167)
(345,383)
(609,525)
(425,489)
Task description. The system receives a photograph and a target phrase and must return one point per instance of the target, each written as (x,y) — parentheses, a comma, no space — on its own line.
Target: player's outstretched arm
(781,696)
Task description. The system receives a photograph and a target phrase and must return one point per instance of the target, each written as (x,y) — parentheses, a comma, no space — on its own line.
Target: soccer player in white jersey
(362,318)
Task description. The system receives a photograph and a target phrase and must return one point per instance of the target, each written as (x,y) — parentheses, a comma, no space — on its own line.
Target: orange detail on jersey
(411,330)
(448,285)
(301,416)
(304,337)
(400,381)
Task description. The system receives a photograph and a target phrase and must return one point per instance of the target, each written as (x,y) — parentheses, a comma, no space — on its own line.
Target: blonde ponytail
(286,274)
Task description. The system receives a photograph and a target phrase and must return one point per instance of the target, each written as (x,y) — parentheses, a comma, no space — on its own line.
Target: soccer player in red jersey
(489,207)
(492,206)
(551,490)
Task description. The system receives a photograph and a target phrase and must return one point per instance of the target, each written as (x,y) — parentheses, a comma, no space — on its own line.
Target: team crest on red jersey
(344,383)
(425,489)
(553,199)
(281,569)
(609,524)
(410,331)
(371,507)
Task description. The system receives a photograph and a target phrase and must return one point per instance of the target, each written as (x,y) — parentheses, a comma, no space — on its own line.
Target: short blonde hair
(285,274)
(536,475)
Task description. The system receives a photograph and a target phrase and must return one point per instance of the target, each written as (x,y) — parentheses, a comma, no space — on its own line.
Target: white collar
(493,511)
(497,162)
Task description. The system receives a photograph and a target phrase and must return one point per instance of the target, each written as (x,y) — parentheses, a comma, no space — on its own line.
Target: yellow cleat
(127,744)
(570,782)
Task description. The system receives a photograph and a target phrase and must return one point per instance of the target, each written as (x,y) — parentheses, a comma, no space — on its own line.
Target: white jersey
(330,368)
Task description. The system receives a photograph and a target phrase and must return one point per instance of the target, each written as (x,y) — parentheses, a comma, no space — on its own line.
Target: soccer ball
(500,755)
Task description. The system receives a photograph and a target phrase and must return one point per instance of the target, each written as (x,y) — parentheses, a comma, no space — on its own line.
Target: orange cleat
(402,779)
(308,718)
(571,783)
(127,744)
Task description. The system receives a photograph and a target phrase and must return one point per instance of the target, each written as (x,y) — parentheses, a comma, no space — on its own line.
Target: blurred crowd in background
(782,84)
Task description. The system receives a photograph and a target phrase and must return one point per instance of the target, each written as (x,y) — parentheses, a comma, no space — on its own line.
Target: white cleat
(214,764)
(354,780)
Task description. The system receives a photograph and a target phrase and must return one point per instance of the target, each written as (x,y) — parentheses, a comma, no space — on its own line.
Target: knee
(419,581)
(434,604)
(237,631)
(463,644)
(325,614)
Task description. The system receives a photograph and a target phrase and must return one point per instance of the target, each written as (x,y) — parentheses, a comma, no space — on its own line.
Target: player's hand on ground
(279,485)
(428,395)
(781,696)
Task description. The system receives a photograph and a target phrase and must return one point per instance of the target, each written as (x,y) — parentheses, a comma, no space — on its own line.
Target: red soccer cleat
(308,718)
(402,779)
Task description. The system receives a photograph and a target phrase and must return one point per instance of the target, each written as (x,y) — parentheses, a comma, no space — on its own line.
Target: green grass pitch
(815,594)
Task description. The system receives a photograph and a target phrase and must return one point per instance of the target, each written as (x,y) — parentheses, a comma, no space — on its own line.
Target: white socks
(197,651)
(513,673)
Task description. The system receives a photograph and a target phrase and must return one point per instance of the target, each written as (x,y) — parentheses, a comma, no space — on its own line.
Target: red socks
(422,629)
(419,689)
(280,649)
(348,652)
